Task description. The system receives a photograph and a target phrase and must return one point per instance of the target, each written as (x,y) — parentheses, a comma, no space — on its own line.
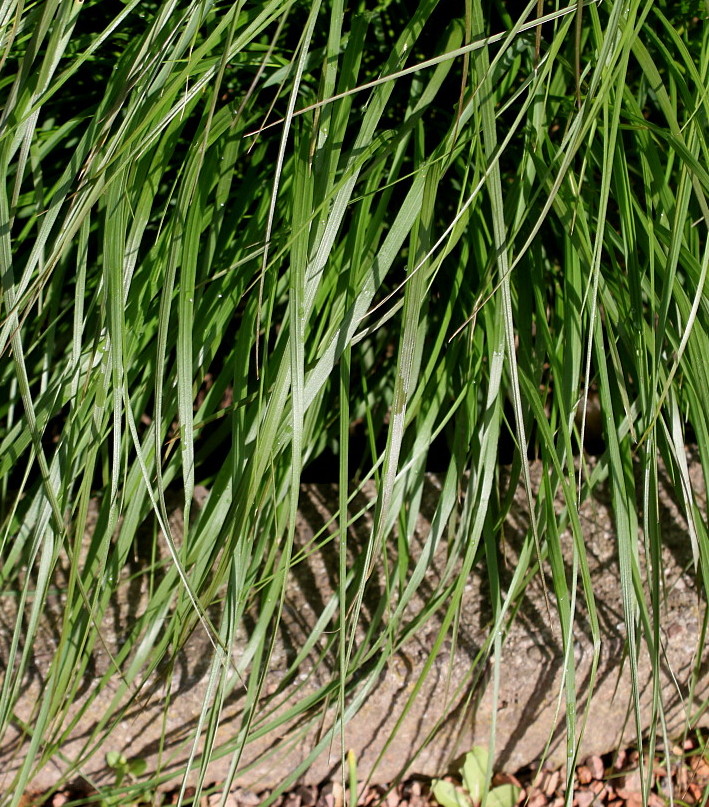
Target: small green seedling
(474,775)
(122,768)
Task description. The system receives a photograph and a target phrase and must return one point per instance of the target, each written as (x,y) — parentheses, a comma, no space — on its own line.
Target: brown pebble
(630,783)
(597,786)
(634,799)
(584,775)
(552,783)
(620,759)
(695,791)
(393,799)
(214,799)
(596,766)
(505,779)
(537,799)
(293,800)
(700,766)
(584,798)
(245,797)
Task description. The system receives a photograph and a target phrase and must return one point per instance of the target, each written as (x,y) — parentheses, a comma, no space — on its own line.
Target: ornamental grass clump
(233,233)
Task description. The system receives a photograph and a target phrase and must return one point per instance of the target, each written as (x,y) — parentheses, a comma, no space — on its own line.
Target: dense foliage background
(243,244)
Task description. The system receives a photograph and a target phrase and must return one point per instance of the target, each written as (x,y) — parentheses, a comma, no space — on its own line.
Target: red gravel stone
(596,766)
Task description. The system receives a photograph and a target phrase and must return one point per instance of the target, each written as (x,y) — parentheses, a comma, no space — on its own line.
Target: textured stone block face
(456,696)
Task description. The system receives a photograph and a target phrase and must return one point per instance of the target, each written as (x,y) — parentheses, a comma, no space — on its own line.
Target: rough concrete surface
(527,713)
